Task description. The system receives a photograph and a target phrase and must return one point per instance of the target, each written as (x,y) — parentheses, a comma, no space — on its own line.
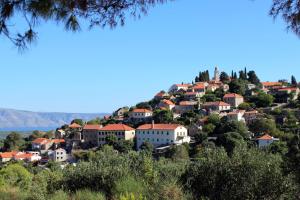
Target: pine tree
(224,76)
(252,78)
(243,76)
(234,75)
(294,81)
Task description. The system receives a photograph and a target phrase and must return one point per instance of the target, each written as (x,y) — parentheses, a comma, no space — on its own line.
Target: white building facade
(162,134)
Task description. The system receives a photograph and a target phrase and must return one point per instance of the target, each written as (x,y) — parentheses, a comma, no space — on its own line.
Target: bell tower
(216,75)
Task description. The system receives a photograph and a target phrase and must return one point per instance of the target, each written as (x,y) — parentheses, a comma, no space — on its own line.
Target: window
(157,140)
(168,133)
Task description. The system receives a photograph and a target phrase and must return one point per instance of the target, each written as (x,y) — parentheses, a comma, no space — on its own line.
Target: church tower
(217,75)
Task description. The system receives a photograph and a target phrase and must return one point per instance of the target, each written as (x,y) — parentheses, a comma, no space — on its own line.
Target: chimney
(152,126)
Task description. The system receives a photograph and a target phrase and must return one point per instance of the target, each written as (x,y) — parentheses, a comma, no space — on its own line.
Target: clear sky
(101,70)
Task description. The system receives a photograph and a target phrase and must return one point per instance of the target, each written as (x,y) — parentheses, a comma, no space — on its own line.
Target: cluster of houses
(180,99)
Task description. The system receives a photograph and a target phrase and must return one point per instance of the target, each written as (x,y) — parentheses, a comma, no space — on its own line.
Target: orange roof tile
(117,127)
(187,103)
(265,137)
(158,126)
(41,141)
(199,86)
(6,155)
(233,95)
(270,84)
(57,141)
(288,88)
(141,111)
(168,102)
(74,125)
(217,103)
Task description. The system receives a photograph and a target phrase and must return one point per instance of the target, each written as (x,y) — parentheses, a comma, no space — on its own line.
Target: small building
(58,155)
(218,106)
(265,140)
(236,115)
(41,144)
(199,87)
(90,134)
(233,99)
(186,106)
(289,90)
(270,85)
(141,114)
(161,95)
(120,112)
(121,131)
(162,134)
(178,87)
(76,130)
(193,95)
(60,134)
(251,116)
(168,104)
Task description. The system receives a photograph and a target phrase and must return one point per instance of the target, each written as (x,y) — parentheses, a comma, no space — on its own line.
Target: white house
(177,87)
(166,104)
(237,115)
(58,155)
(141,114)
(161,134)
(233,99)
(216,106)
(265,140)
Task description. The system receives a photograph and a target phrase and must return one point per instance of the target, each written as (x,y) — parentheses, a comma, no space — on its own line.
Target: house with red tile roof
(218,106)
(161,95)
(233,99)
(177,87)
(18,156)
(90,134)
(236,115)
(265,140)
(161,134)
(270,85)
(186,106)
(41,144)
(121,131)
(168,104)
(141,114)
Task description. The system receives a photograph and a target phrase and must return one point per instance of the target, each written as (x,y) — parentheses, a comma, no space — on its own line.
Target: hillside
(11,119)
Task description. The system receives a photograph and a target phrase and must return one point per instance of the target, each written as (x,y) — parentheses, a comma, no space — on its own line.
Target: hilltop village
(205,109)
(225,137)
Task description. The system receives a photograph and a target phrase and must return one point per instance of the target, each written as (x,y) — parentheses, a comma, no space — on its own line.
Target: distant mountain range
(19,120)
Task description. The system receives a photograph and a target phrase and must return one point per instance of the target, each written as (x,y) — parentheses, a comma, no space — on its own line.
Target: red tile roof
(23,156)
(6,155)
(117,127)
(57,141)
(41,141)
(199,86)
(233,95)
(217,103)
(92,127)
(270,84)
(141,111)
(265,137)
(187,103)
(74,125)
(168,102)
(288,88)
(158,126)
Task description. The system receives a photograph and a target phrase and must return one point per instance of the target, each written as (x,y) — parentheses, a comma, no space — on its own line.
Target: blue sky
(101,70)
